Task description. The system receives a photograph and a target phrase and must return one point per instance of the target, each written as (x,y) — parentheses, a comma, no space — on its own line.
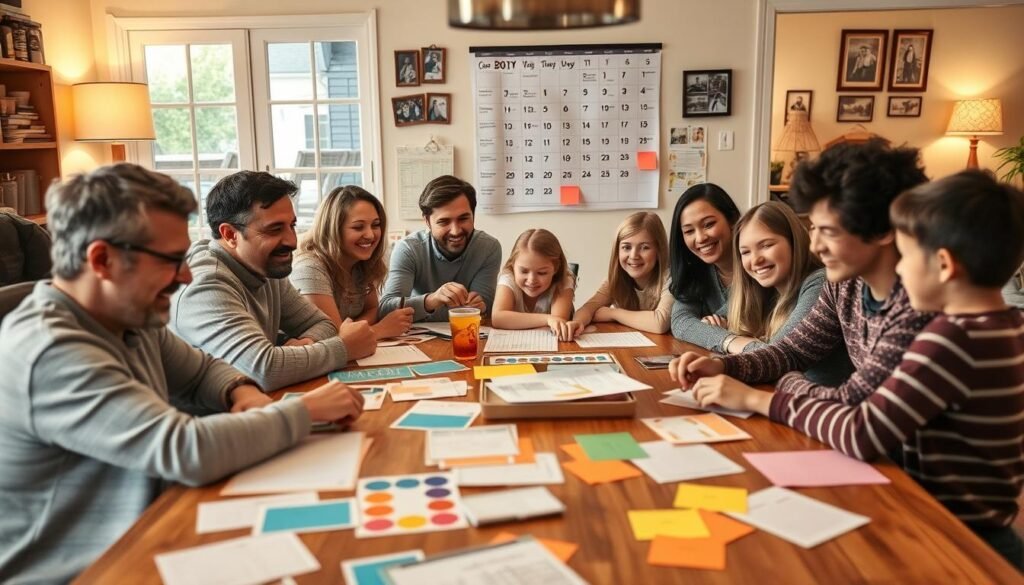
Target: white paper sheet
(320,463)
(426,389)
(373,395)
(249,560)
(241,512)
(797,518)
(521,340)
(399,354)
(685,399)
(623,339)
(543,471)
(668,463)
(564,385)
(485,441)
(511,505)
(517,562)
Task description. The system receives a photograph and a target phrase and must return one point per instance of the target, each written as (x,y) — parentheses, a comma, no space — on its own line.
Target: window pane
(288,129)
(166,74)
(289,71)
(206,182)
(342,135)
(306,200)
(337,75)
(213,73)
(334,180)
(173,146)
(218,140)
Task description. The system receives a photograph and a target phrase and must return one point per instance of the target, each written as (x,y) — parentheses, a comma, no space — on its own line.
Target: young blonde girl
(535,288)
(636,293)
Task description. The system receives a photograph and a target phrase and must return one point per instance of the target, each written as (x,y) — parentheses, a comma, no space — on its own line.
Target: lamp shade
(112,112)
(976,117)
(798,136)
(540,14)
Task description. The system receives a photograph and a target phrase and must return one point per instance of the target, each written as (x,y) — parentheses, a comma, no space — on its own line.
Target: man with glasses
(240,297)
(88,432)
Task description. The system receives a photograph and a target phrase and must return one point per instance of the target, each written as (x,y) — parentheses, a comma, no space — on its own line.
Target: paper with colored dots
(408,504)
(554,358)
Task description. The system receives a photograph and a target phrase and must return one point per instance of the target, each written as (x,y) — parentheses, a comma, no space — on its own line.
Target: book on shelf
(20,189)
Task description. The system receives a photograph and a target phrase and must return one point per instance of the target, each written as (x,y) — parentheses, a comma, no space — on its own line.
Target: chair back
(11,296)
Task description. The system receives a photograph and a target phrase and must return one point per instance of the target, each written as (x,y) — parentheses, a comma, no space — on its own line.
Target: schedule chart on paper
(567,127)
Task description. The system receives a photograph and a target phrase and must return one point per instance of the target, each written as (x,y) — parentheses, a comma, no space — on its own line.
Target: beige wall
(976,52)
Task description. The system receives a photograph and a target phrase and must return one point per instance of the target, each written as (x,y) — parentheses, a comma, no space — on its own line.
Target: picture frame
(908,65)
(434,64)
(407,68)
(904,106)
(798,99)
(707,92)
(409,110)
(862,60)
(855,108)
(439,108)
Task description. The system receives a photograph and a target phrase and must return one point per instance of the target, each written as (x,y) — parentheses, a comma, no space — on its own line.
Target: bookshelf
(43,157)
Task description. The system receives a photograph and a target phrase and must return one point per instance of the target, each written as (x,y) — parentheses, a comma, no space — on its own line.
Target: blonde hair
(543,242)
(621,286)
(324,242)
(756,311)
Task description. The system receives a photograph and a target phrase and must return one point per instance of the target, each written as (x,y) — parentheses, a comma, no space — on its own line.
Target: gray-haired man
(87,431)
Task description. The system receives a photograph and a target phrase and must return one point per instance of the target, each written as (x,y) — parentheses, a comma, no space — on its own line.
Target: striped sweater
(875,342)
(955,404)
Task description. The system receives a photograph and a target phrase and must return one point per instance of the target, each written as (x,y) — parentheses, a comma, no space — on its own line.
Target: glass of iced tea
(465,323)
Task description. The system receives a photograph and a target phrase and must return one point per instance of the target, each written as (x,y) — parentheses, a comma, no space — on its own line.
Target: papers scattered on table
(686,400)
(610,447)
(526,455)
(408,504)
(814,468)
(488,372)
(249,560)
(562,386)
(647,524)
(486,441)
(700,428)
(624,339)
(690,553)
(309,517)
(594,472)
(319,463)
(797,518)
(398,354)
(426,388)
(373,396)
(443,367)
(561,549)
(710,497)
(668,463)
(370,375)
(241,512)
(367,570)
(515,340)
(543,471)
(511,505)
(427,415)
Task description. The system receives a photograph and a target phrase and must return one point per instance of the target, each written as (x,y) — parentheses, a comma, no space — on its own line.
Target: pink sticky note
(647,160)
(570,195)
(814,469)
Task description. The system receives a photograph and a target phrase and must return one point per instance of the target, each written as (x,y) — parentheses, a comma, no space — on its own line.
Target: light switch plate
(725,140)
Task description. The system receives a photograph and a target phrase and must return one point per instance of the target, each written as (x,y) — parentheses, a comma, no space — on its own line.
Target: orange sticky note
(570,195)
(724,528)
(561,549)
(594,472)
(647,160)
(526,455)
(575,451)
(693,553)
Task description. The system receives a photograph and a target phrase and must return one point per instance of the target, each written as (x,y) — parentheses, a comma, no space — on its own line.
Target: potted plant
(775,167)
(1012,157)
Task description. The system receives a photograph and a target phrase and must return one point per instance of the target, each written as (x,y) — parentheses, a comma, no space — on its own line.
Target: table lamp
(540,14)
(798,137)
(112,111)
(976,117)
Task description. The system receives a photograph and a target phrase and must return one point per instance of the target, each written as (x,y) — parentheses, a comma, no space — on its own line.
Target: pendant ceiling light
(540,14)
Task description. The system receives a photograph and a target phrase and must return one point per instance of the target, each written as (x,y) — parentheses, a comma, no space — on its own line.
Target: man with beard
(449,264)
(240,296)
(88,434)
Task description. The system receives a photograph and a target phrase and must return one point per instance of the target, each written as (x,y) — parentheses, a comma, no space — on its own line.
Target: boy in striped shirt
(955,404)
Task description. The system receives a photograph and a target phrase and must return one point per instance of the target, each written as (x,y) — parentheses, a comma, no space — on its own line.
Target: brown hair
(442,191)
(621,286)
(324,242)
(543,242)
(756,311)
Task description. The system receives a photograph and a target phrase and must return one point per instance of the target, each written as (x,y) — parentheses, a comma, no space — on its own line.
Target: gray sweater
(418,268)
(231,313)
(87,432)
(687,314)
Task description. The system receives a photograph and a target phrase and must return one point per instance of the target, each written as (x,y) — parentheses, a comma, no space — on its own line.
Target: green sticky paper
(611,447)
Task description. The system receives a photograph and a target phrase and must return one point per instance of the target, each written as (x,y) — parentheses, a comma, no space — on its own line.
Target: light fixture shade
(798,136)
(540,14)
(976,117)
(112,112)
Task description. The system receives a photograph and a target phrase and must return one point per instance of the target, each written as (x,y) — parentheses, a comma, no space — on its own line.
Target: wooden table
(911,537)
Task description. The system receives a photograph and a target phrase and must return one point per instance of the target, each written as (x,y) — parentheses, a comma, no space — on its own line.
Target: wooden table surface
(911,538)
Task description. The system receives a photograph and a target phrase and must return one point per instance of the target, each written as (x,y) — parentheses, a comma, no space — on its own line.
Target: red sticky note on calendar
(647,160)
(570,195)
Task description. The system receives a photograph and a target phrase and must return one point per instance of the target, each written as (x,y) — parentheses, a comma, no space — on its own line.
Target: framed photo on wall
(862,60)
(409,109)
(434,64)
(407,68)
(904,106)
(707,93)
(911,52)
(798,100)
(856,108)
(439,108)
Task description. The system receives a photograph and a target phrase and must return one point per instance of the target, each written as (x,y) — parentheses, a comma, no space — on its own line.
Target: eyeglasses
(175,259)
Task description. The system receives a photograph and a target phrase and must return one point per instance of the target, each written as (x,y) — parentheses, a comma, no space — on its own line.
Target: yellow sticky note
(647,160)
(563,550)
(488,372)
(647,524)
(692,553)
(708,497)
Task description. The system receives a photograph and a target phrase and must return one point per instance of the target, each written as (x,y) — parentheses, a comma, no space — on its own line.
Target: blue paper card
(416,420)
(367,570)
(371,374)
(318,517)
(438,368)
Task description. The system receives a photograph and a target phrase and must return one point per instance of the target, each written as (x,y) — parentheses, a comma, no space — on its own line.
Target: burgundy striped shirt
(955,403)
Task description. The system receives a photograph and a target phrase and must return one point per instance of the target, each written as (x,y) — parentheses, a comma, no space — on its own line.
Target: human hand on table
(395,323)
(360,341)
(247,397)
(564,330)
(728,392)
(333,402)
(474,300)
(690,367)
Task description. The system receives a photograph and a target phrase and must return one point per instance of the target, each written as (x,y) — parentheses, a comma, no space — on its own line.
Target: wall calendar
(567,127)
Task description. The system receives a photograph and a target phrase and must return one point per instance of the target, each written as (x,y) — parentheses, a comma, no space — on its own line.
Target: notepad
(543,471)
(239,561)
(647,160)
(569,195)
(306,517)
(814,468)
(610,447)
(427,415)
(685,399)
(399,354)
(797,518)
(668,463)
(624,339)
(521,340)
(690,553)
(238,513)
(511,505)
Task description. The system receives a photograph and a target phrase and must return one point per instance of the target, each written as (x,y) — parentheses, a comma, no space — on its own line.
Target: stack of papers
(626,339)
(543,471)
(241,561)
(698,553)
(428,415)
(426,388)
(516,340)
(668,463)
(685,399)
(814,469)
(399,354)
(797,518)
(563,386)
(526,455)
(319,463)
(485,441)
(701,428)
(560,548)
(511,505)
(519,562)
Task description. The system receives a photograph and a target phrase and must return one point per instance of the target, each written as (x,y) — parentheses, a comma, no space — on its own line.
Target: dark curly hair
(231,199)
(859,181)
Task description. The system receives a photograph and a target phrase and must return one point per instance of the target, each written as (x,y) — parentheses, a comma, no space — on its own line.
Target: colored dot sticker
(378,485)
(534,359)
(412,521)
(437,493)
(499,361)
(556,359)
(440,505)
(580,358)
(602,358)
(378,510)
(436,481)
(378,524)
(378,498)
(444,519)
(407,483)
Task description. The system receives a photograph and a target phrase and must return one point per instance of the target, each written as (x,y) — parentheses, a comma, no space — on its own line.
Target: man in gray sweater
(449,264)
(87,432)
(241,297)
